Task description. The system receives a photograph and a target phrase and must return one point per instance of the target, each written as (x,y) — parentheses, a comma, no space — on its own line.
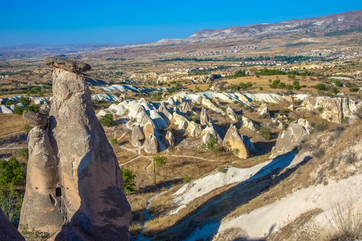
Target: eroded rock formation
(236,143)
(204,117)
(74,187)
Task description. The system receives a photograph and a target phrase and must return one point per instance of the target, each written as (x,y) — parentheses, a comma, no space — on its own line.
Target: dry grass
(11,124)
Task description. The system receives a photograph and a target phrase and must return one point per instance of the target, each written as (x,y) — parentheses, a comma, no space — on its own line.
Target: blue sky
(69,22)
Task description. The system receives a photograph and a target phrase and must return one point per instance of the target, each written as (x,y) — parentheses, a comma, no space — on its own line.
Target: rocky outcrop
(7,230)
(231,113)
(186,108)
(74,188)
(148,129)
(66,64)
(170,139)
(235,143)
(193,129)
(289,139)
(151,145)
(164,112)
(34,119)
(204,117)
(306,125)
(248,124)
(122,97)
(263,110)
(332,109)
(210,132)
(137,136)
(208,104)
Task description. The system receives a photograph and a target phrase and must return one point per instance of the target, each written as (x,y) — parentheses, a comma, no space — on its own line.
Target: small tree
(106,120)
(27,128)
(128,180)
(24,153)
(113,141)
(187,179)
(25,100)
(160,161)
(212,145)
(9,102)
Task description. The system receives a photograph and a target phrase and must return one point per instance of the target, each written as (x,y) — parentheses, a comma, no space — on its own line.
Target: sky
(69,22)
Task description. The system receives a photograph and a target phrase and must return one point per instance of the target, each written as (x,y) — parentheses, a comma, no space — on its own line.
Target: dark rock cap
(66,64)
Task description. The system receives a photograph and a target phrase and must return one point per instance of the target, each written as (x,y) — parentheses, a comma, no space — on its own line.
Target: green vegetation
(19,110)
(25,100)
(27,128)
(156,96)
(173,90)
(277,84)
(12,173)
(23,153)
(212,145)
(265,133)
(321,126)
(187,179)
(113,141)
(221,169)
(9,102)
(106,120)
(128,180)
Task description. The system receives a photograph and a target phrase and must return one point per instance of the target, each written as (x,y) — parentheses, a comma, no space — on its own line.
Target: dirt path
(10,148)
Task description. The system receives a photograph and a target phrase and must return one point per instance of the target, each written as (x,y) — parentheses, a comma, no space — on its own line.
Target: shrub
(320,87)
(23,153)
(9,102)
(221,169)
(32,108)
(354,89)
(128,180)
(187,179)
(156,96)
(106,120)
(27,128)
(321,126)
(113,141)
(261,88)
(19,110)
(212,145)
(320,109)
(265,133)
(25,100)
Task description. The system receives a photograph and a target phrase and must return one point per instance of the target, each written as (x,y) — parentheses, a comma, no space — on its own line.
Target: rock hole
(58,192)
(36,188)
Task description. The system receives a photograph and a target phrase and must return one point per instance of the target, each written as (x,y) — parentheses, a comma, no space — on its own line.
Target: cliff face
(83,194)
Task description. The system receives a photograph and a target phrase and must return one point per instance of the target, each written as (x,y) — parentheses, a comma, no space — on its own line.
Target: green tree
(24,153)
(12,173)
(106,120)
(160,161)
(187,179)
(128,180)
(25,100)
(9,102)
(212,145)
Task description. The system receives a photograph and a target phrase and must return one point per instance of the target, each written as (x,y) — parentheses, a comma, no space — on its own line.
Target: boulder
(231,113)
(164,112)
(170,139)
(186,108)
(213,133)
(180,121)
(248,124)
(137,136)
(34,119)
(263,110)
(78,173)
(193,129)
(151,145)
(148,129)
(66,64)
(236,143)
(289,139)
(204,117)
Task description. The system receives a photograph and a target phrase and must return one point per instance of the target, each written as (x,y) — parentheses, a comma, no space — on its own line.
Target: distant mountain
(40,50)
(331,25)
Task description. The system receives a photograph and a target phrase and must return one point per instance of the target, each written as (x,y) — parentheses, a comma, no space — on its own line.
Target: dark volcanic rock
(34,119)
(66,64)
(7,230)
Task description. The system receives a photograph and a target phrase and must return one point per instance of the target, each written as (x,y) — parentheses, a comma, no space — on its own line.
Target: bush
(113,141)
(25,100)
(9,102)
(261,88)
(156,96)
(221,169)
(19,110)
(23,153)
(354,89)
(265,133)
(128,180)
(27,128)
(212,145)
(32,108)
(320,87)
(106,120)
(321,126)
(187,179)
(320,109)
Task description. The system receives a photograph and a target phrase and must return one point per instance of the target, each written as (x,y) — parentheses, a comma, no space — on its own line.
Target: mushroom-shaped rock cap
(66,64)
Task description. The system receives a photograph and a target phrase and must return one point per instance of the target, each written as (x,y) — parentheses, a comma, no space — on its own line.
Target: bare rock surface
(263,110)
(151,144)
(236,143)
(66,64)
(34,119)
(204,117)
(85,194)
(293,136)
(170,139)
(137,136)
(231,113)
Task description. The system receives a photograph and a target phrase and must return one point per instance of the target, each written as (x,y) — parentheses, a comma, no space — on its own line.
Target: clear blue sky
(69,22)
